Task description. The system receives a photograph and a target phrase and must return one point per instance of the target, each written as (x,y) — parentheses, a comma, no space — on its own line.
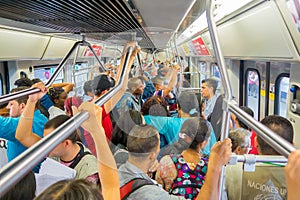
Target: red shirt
(254,149)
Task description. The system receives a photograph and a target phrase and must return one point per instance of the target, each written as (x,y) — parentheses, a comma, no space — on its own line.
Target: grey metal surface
(100,20)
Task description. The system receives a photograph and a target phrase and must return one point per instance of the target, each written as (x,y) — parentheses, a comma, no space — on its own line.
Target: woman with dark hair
(155,106)
(183,173)
(123,126)
(58,96)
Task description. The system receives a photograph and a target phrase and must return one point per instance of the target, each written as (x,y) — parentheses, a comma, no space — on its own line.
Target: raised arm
(173,80)
(292,174)
(220,155)
(107,167)
(24,132)
(109,105)
(67,86)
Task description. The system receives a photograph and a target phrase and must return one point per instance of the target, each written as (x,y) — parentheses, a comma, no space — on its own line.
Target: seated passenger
(183,174)
(266,175)
(241,143)
(143,147)
(9,125)
(71,153)
(81,189)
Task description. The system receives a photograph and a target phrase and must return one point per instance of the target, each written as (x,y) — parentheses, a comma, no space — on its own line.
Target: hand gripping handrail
(15,170)
(15,95)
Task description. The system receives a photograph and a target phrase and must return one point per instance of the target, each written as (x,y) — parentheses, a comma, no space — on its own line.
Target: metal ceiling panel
(75,16)
(164,15)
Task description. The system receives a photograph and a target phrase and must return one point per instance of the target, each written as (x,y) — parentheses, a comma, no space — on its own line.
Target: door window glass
(252,91)
(281,97)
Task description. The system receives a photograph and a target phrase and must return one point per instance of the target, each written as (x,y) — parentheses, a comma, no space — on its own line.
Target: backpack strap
(79,157)
(132,186)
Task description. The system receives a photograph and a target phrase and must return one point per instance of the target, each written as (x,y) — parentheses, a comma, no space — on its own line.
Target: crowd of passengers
(145,142)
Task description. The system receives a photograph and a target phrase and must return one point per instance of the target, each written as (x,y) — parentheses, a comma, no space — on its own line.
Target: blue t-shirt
(8,131)
(170,127)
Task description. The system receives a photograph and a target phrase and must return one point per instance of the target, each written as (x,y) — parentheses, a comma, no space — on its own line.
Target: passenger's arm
(166,172)
(67,86)
(24,132)
(292,175)
(107,167)
(220,155)
(109,105)
(173,80)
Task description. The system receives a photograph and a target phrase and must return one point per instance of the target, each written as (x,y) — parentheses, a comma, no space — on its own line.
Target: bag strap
(132,186)
(79,157)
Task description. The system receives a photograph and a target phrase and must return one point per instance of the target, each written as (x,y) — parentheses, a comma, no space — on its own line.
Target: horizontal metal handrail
(15,95)
(261,158)
(15,170)
(282,146)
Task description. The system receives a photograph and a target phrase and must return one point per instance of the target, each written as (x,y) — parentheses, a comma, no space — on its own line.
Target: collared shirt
(128,171)
(209,105)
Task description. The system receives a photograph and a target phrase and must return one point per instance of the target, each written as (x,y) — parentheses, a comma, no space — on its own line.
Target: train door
(266,87)
(280,74)
(254,86)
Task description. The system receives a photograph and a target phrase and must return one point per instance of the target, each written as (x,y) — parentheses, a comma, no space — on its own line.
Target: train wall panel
(259,33)
(294,118)
(58,48)
(17,45)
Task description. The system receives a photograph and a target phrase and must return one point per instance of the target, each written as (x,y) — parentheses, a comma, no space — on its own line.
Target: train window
(45,72)
(252,91)
(282,87)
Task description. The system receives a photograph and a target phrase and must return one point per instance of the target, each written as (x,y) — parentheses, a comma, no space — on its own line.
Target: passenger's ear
(152,156)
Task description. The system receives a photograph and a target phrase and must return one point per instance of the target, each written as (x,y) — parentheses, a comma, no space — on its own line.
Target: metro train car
(251,47)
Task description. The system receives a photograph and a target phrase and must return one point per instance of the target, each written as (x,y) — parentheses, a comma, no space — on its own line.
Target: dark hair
(24,189)
(23,82)
(279,125)
(101,83)
(142,139)
(87,87)
(211,83)
(198,129)
(59,120)
(155,106)
(188,103)
(248,111)
(54,92)
(22,99)
(79,189)
(124,125)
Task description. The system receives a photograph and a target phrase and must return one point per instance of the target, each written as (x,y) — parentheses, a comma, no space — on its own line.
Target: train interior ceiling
(257,38)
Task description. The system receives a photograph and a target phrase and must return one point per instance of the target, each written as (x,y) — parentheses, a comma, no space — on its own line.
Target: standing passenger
(143,148)
(208,90)
(9,125)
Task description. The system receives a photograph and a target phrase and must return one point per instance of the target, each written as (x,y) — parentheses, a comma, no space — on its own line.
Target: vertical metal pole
(73,70)
(224,76)
(181,66)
